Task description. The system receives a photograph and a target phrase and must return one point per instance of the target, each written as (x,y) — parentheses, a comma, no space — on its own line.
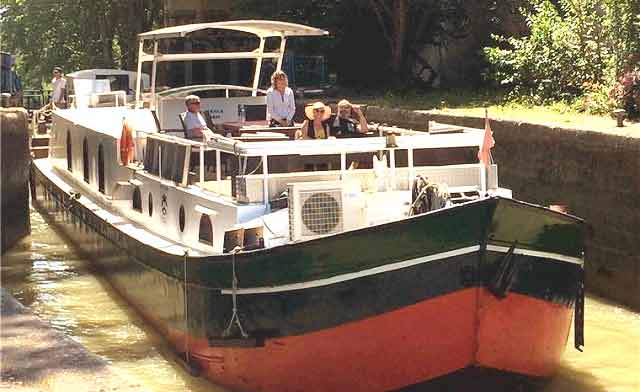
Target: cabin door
(100,168)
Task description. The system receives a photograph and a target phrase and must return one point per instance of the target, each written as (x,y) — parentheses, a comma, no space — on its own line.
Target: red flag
(484,154)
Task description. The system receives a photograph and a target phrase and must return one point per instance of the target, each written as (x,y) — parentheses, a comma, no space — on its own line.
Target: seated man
(194,124)
(349,120)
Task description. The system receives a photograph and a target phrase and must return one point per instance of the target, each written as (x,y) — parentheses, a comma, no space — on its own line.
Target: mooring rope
(234,289)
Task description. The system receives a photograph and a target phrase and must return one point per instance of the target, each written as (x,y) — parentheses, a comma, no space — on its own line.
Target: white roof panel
(261,28)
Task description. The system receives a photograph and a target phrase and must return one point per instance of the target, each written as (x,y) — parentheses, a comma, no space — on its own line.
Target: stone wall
(16,160)
(595,174)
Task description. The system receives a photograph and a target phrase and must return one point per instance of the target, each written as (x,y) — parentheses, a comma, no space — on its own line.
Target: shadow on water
(478,379)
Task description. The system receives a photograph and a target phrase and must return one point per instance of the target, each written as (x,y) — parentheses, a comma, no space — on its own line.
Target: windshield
(238,72)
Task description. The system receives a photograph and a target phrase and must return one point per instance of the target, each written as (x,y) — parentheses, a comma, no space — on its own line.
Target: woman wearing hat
(315,126)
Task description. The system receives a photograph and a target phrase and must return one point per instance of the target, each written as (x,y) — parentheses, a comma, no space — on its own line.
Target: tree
(408,25)
(74,34)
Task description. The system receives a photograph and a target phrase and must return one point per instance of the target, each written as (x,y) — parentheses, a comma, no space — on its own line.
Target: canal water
(44,273)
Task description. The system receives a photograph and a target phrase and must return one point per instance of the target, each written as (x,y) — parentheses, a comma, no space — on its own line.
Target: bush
(575,49)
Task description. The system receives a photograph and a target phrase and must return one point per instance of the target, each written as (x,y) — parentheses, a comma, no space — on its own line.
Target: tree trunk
(399,30)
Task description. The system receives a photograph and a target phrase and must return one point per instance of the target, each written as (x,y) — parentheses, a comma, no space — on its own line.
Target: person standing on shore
(58,84)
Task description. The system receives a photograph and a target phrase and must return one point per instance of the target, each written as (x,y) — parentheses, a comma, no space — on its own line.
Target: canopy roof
(261,28)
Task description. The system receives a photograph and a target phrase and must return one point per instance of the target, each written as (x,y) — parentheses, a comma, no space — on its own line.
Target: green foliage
(73,34)
(373,43)
(575,48)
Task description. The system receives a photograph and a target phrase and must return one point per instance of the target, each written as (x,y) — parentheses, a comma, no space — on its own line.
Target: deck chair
(181,117)
(207,120)
(157,121)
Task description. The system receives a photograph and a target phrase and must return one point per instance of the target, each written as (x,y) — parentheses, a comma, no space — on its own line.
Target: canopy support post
(283,43)
(256,77)
(139,74)
(152,104)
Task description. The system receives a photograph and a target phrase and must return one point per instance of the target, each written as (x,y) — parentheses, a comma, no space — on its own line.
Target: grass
(473,103)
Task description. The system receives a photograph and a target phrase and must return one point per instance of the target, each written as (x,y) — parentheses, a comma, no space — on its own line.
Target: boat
(347,264)
(102,87)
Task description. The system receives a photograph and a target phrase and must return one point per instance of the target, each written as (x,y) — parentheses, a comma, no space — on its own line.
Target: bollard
(620,115)
(16,161)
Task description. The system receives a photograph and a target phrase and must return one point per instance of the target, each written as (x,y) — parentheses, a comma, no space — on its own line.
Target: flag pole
(483,170)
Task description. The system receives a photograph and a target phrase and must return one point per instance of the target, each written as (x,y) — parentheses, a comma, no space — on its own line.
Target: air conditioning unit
(324,207)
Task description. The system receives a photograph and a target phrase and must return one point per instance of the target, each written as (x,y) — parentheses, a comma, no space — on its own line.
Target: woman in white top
(280,103)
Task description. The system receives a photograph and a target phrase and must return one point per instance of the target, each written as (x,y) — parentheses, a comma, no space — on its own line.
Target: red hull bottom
(407,346)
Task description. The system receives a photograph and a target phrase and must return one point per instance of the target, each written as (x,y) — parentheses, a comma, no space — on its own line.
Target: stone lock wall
(16,161)
(595,174)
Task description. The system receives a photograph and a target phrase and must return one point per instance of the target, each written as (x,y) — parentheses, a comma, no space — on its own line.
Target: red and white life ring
(126,144)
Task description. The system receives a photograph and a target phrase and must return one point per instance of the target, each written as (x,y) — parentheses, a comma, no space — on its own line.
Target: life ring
(126,144)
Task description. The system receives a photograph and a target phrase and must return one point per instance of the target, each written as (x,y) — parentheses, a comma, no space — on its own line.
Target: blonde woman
(315,126)
(281,105)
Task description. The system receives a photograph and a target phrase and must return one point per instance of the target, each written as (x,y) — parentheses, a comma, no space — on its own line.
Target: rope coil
(427,196)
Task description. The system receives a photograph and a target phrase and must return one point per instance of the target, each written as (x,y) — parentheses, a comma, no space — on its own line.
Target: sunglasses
(194,103)
(318,110)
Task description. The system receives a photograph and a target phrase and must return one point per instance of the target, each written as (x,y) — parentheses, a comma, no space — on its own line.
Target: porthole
(181,219)
(136,200)
(150,204)
(206,230)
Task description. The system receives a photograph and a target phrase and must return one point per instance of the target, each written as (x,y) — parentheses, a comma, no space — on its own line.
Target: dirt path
(35,357)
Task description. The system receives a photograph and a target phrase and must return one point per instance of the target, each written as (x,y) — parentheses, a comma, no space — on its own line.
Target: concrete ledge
(36,357)
(597,174)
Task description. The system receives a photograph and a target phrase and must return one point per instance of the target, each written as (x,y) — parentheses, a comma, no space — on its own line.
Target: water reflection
(44,273)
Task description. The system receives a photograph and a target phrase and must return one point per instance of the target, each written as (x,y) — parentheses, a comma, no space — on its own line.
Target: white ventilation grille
(321,212)
(316,209)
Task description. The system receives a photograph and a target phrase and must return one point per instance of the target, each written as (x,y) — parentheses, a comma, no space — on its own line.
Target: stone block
(16,161)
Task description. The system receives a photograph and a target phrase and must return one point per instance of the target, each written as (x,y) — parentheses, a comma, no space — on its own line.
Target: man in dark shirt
(348,122)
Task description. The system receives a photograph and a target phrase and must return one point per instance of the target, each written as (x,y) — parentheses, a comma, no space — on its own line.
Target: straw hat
(308,110)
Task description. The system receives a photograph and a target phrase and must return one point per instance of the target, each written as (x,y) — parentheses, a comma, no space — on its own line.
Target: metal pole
(152,104)
(139,75)
(201,164)
(411,168)
(392,162)
(218,168)
(265,182)
(256,77)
